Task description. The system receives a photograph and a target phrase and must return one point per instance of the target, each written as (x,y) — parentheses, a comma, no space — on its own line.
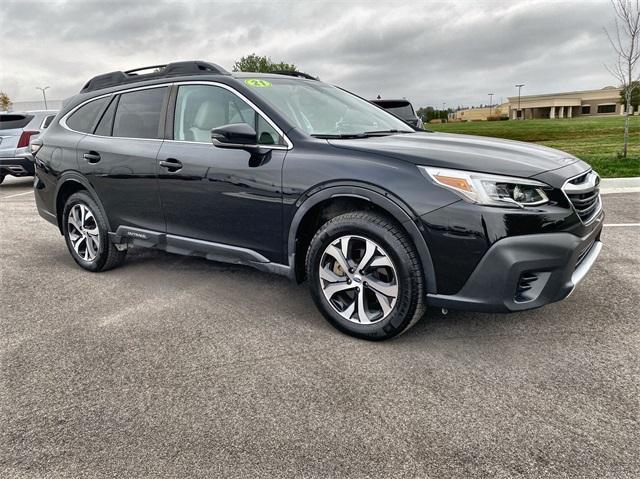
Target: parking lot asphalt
(178,367)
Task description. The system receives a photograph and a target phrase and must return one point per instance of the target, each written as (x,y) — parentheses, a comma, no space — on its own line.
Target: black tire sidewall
(84,198)
(405,308)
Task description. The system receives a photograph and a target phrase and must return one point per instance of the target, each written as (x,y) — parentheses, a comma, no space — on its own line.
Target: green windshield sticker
(258,83)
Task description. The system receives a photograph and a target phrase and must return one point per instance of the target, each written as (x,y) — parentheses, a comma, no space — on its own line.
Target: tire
(389,290)
(84,225)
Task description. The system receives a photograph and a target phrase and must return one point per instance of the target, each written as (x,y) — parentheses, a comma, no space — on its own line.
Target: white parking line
(17,194)
(622,224)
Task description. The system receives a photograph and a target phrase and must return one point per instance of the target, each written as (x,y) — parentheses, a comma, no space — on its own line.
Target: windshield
(323,110)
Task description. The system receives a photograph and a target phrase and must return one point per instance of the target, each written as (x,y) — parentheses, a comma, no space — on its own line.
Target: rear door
(119,157)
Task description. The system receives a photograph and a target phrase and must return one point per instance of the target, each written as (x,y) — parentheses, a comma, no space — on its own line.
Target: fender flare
(382,199)
(76,177)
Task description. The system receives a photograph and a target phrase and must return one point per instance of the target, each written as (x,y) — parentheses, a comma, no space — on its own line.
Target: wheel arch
(68,184)
(358,197)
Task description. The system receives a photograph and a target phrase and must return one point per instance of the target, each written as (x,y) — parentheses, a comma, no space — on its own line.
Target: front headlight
(488,189)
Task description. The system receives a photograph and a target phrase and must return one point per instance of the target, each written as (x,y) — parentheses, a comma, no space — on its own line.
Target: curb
(620,185)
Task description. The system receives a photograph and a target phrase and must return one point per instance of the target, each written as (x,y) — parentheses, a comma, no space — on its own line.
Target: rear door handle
(92,157)
(171,164)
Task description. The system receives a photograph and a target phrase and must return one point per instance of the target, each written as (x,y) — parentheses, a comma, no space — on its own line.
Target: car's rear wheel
(365,276)
(86,234)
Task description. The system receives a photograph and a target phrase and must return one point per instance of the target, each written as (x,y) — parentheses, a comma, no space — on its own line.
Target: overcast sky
(429,52)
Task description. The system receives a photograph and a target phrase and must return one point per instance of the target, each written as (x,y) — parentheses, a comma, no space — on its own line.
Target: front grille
(584,194)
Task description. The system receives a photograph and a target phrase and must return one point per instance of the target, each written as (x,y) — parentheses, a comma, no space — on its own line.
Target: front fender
(382,199)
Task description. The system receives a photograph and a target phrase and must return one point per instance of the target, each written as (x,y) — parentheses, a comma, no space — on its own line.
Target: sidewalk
(620,185)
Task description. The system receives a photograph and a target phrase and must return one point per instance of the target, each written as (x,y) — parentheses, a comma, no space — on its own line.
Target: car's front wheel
(365,275)
(86,234)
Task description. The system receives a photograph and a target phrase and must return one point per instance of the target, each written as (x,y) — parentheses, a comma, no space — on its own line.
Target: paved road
(179,367)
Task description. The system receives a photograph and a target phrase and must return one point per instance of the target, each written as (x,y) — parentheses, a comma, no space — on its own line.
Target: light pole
(519,87)
(490,103)
(44,95)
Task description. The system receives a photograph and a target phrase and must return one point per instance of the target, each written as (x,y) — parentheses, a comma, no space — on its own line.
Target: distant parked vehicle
(16,129)
(402,109)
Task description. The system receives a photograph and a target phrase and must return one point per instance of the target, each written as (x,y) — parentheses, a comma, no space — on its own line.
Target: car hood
(465,152)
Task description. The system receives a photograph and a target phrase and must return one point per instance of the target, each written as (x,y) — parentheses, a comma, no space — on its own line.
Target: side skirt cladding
(126,235)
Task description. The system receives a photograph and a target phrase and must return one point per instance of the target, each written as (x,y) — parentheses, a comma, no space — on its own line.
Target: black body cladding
(253,205)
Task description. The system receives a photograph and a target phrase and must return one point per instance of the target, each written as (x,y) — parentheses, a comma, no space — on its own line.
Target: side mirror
(234,135)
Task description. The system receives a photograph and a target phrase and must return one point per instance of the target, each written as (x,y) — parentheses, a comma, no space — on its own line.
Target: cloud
(429,52)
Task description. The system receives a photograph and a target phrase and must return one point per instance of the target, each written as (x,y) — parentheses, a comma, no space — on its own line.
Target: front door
(220,195)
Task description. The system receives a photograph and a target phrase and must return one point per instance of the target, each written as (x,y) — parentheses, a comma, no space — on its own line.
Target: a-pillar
(552,112)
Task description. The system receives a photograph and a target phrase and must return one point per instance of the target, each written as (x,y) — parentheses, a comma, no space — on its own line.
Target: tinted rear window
(400,109)
(10,122)
(138,114)
(85,117)
(47,121)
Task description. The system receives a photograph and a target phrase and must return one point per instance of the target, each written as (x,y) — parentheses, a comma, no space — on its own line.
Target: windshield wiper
(384,132)
(364,134)
(341,136)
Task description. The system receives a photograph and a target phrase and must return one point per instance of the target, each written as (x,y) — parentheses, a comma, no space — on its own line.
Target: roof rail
(157,71)
(293,73)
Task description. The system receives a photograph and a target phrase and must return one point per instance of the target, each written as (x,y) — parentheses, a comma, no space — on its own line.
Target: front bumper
(525,272)
(17,166)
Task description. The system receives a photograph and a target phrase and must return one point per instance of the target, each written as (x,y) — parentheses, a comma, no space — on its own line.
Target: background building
(35,105)
(479,113)
(605,101)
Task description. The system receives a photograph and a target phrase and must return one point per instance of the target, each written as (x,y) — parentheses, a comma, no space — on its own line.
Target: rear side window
(106,122)
(85,117)
(12,121)
(138,114)
(47,121)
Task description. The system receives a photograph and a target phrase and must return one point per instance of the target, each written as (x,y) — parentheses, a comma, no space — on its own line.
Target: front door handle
(92,157)
(171,164)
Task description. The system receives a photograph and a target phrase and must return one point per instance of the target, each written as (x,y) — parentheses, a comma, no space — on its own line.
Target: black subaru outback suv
(297,177)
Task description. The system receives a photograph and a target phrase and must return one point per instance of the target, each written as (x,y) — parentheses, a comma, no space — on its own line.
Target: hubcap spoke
(362,309)
(389,290)
(338,256)
(334,288)
(370,249)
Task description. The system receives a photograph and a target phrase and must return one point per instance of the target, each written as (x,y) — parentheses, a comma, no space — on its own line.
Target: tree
(261,64)
(625,40)
(635,95)
(5,101)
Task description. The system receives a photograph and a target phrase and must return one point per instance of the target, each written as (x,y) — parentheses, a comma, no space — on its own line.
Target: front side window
(323,110)
(85,117)
(200,108)
(138,114)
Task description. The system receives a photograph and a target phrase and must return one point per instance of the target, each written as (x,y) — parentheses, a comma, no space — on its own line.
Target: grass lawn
(597,141)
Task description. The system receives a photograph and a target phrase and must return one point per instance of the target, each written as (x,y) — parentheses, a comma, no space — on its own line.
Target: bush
(497,117)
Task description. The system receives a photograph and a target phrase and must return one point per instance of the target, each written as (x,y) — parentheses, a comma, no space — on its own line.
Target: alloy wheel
(83,232)
(358,279)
